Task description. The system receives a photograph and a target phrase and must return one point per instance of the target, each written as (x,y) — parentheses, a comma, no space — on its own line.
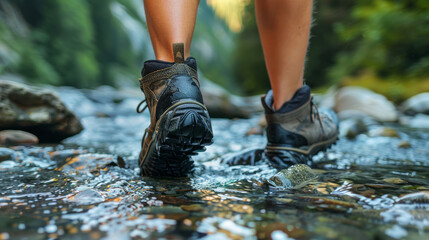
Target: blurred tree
(212,46)
(114,51)
(389,38)
(85,43)
(63,32)
(325,43)
(19,53)
(249,64)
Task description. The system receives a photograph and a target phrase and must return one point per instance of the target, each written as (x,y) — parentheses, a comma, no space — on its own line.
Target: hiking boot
(180,124)
(298,130)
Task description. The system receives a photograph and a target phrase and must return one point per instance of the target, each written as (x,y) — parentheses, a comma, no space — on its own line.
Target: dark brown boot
(180,124)
(298,130)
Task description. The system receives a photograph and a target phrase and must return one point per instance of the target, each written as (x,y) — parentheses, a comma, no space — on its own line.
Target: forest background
(382,45)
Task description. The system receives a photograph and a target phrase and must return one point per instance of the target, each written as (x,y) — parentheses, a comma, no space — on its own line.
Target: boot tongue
(300,97)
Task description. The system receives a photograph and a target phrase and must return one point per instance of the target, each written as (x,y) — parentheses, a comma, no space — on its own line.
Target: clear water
(76,190)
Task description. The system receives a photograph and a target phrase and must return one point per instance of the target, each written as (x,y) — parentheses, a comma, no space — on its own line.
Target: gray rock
(358,100)
(416,104)
(6,154)
(37,111)
(17,137)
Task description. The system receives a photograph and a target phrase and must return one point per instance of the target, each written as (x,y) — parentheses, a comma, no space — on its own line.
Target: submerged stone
(294,177)
(384,132)
(192,208)
(394,181)
(404,144)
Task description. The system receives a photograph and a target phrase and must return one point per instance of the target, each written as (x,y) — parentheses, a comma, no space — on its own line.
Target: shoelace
(315,114)
(140,104)
(140,111)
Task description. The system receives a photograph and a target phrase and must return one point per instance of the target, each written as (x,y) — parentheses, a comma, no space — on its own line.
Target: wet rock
(192,208)
(358,100)
(85,164)
(242,208)
(324,188)
(416,104)
(404,144)
(418,197)
(6,154)
(418,121)
(37,111)
(384,132)
(350,128)
(394,181)
(294,177)
(171,200)
(222,104)
(328,201)
(17,137)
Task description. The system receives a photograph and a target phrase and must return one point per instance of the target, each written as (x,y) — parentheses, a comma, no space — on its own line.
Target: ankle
(282,97)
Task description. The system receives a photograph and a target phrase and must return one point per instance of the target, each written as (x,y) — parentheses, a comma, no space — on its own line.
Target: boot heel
(185,130)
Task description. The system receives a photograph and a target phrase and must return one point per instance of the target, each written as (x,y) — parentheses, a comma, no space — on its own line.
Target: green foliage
(325,43)
(19,53)
(68,41)
(79,43)
(59,48)
(114,50)
(86,43)
(389,39)
(212,46)
(250,70)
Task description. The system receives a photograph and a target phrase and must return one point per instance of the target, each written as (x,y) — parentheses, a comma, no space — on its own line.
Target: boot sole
(182,131)
(307,150)
(283,157)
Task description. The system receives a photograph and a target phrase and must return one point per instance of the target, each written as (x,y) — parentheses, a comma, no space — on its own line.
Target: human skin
(284,28)
(170,21)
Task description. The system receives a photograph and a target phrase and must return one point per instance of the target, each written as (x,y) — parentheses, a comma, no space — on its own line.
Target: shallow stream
(88,187)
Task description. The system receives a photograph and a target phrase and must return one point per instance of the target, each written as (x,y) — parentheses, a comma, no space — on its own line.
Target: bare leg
(284,28)
(170,21)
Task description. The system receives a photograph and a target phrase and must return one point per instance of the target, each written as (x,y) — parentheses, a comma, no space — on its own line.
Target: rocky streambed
(373,184)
